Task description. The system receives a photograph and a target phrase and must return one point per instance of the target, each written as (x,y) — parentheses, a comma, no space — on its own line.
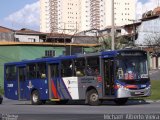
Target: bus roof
(50,59)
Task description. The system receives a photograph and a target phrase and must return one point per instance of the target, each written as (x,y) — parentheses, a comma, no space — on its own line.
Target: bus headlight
(118,86)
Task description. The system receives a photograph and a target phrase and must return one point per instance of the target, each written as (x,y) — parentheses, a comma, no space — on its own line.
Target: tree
(120,42)
(153,41)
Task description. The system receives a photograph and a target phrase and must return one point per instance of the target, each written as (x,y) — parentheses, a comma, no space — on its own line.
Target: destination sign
(131,53)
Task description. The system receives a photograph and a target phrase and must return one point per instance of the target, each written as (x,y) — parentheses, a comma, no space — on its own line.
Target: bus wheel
(121,101)
(1,101)
(35,98)
(93,98)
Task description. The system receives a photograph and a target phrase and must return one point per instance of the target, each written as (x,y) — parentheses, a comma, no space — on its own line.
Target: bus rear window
(11,73)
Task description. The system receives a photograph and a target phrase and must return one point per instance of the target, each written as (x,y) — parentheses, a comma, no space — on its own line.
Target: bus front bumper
(126,93)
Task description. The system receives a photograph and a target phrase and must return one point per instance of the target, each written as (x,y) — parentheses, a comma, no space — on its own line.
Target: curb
(143,101)
(151,101)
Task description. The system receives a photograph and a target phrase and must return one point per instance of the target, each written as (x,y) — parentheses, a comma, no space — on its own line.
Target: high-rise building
(71,16)
(45,16)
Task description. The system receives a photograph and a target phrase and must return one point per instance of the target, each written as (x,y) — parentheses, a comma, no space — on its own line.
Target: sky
(17,14)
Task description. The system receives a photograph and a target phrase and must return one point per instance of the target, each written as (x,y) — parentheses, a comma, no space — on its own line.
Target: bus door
(21,82)
(53,77)
(108,77)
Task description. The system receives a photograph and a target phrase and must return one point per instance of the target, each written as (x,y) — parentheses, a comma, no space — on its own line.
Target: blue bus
(94,77)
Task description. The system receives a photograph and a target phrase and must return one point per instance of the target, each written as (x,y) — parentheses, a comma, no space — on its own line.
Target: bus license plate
(137,93)
(143,86)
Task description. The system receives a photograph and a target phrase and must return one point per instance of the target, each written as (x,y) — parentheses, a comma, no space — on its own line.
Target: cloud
(27,17)
(144,7)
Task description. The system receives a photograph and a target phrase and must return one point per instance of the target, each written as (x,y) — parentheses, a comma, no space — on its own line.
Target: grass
(1,91)
(155,90)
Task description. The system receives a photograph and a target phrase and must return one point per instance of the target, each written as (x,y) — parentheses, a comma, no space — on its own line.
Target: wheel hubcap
(35,98)
(94,97)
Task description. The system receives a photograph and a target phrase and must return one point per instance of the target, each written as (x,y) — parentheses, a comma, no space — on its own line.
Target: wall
(6,36)
(28,38)
(147,31)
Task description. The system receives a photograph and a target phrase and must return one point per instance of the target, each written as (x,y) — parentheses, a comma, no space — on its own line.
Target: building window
(50,53)
(17,39)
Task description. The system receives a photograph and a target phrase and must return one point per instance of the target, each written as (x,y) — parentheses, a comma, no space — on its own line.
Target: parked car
(1,99)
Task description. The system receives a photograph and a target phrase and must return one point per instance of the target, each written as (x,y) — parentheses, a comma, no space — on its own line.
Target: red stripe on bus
(131,86)
(54,91)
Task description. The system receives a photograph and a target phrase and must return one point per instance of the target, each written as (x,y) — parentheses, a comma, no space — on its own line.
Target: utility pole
(113,29)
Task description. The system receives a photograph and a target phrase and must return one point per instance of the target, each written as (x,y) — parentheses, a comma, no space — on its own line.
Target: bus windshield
(132,67)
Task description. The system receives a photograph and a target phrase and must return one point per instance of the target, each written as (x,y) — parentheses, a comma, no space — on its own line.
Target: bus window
(92,68)
(67,68)
(131,67)
(41,70)
(22,74)
(31,71)
(11,72)
(80,67)
(54,70)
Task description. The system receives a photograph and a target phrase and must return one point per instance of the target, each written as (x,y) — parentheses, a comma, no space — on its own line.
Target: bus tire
(92,97)
(35,98)
(1,101)
(121,101)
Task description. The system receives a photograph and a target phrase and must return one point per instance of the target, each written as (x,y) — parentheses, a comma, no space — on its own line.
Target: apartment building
(124,12)
(72,16)
(45,16)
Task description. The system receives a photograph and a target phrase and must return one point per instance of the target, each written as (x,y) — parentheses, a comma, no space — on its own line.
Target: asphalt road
(74,111)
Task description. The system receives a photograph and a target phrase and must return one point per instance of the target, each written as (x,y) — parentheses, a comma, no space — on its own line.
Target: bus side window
(22,74)
(67,68)
(54,70)
(80,67)
(92,68)
(41,70)
(31,71)
(11,72)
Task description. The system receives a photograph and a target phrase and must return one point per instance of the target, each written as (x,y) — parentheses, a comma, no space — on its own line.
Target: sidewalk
(142,101)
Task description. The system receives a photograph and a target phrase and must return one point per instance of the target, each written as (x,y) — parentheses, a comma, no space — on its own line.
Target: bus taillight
(99,78)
